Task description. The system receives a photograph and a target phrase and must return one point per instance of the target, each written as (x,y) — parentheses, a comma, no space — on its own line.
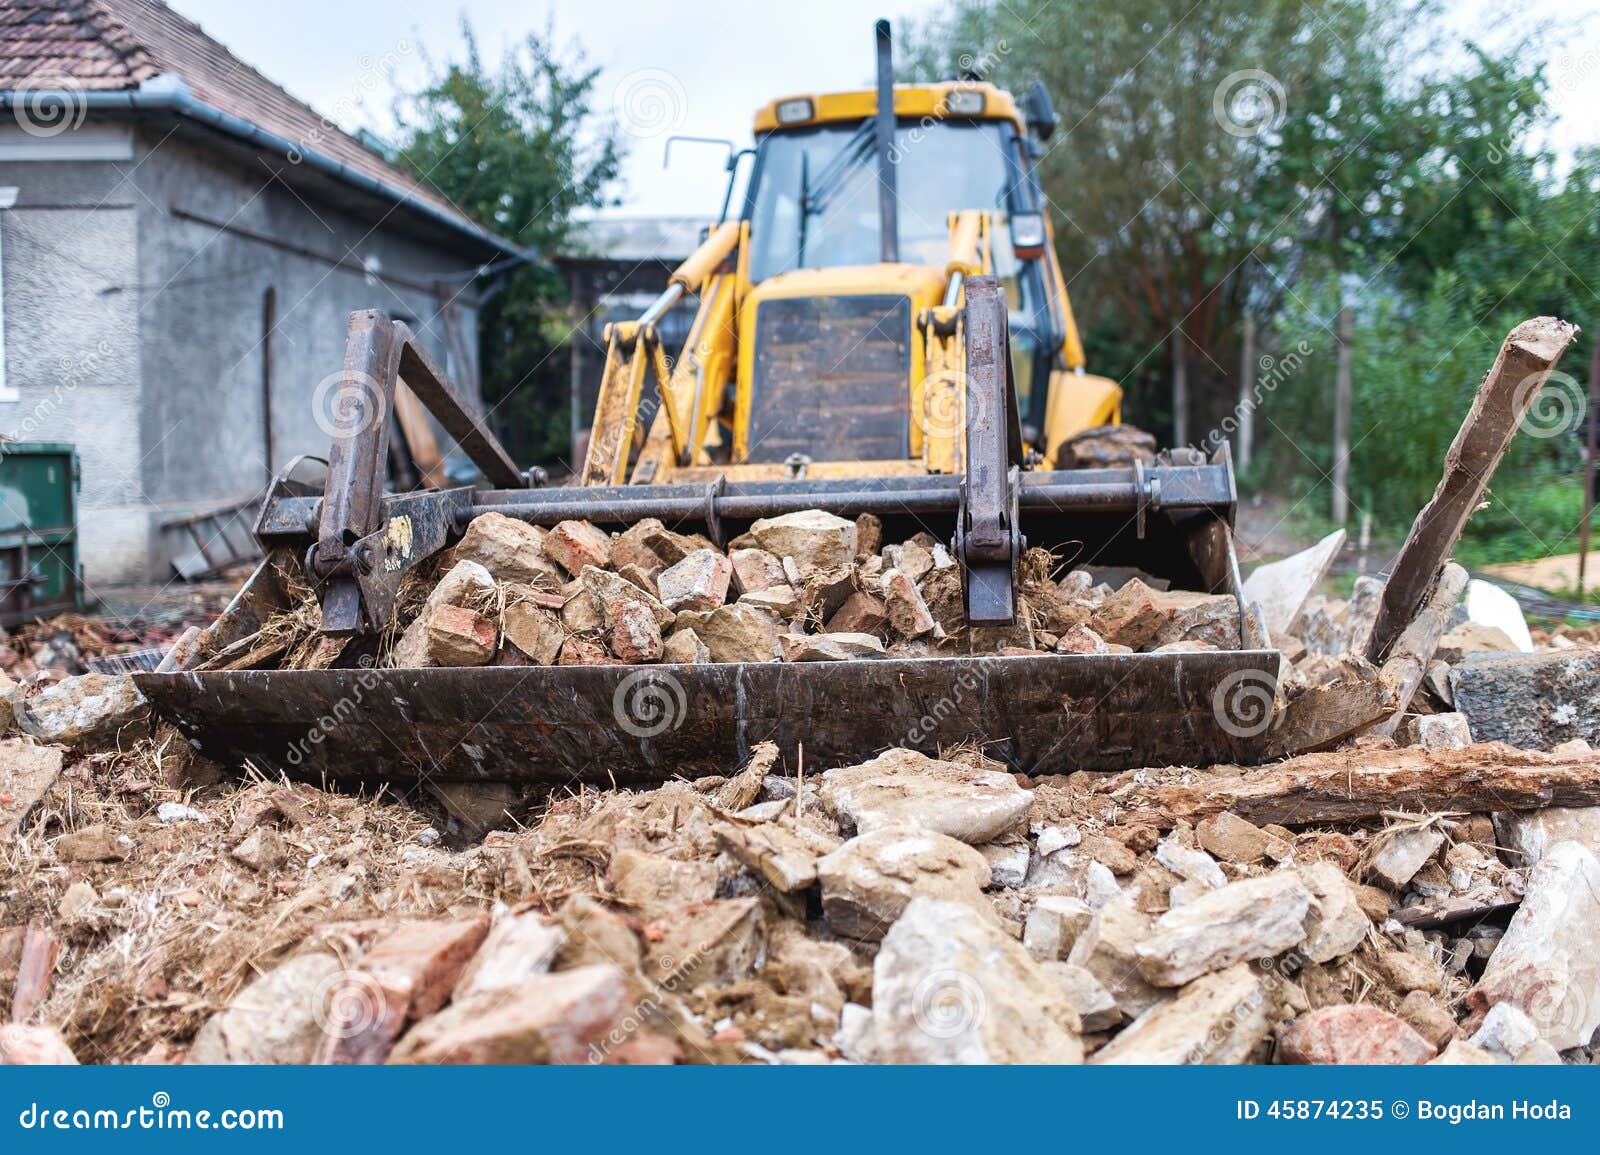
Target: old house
(181,242)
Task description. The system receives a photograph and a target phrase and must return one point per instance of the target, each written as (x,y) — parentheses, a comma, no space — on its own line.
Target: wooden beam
(1530,352)
(1361,785)
(1415,648)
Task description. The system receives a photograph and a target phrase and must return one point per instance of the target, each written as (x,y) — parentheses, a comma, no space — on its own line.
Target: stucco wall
(168,313)
(70,250)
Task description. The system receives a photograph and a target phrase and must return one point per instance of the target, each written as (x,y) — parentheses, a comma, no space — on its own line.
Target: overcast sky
(697,67)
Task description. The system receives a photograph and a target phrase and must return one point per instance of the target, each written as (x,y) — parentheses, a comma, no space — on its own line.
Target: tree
(1208,154)
(519,148)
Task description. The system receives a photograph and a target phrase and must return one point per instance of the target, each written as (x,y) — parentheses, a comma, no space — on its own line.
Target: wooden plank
(1414,649)
(1324,716)
(1530,352)
(419,437)
(1362,785)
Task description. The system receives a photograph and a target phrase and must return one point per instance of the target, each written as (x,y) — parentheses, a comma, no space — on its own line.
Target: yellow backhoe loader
(882,327)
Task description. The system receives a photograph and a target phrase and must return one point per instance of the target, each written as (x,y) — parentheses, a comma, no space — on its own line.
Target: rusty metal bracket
(989,541)
(364,544)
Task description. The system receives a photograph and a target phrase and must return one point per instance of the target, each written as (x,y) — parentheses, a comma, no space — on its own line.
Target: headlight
(795,111)
(963,102)
(1027,235)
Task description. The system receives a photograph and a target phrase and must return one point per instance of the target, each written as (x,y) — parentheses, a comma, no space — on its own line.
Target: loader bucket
(562,725)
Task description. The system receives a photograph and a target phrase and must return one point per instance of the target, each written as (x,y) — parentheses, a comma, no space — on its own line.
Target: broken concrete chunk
(1346,1035)
(1054,925)
(576,1016)
(868,881)
(1534,701)
(903,787)
(786,857)
(1132,616)
(1217,1019)
(576,544)
(459,637)
(736,633)
(1336,924)
(717,942)
(1096,1009)
(1281,588)
(780,601)
(464,583)
(1441,731)
(22,1045)
(1546,964)
(1244,921)
(698,582)
(1400,853)
(517,947)
(1080,639)
(950,987)
(88,711)
(908,614)
(634,635)
(813,538)
(613,592)
(1232,839)
(756,570)
(1008,859)
(27,771)
(1527,834)
(1108,949)
(280,1018)
(830,647)
(631,547)
(511,550)
(1208,620)
(1187,862)
(685,646)
(860,613)
(1486,604)
(653,884)
(534,630)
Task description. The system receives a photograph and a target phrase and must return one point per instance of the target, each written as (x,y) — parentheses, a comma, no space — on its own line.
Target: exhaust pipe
(888,202)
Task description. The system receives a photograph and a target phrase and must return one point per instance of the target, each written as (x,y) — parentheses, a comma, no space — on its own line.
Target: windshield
(816,199)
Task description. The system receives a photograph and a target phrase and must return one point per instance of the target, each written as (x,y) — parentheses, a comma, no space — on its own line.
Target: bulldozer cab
(832,320)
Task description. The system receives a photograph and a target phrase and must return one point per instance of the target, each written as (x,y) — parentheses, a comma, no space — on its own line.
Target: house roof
(119,45)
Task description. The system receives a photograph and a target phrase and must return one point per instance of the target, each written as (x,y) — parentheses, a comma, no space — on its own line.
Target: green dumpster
(39,572)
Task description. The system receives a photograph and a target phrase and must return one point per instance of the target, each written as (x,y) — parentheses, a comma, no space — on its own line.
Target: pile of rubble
(806,586)
(1378,905)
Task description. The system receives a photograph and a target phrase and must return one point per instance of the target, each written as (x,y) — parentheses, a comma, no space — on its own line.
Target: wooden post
(1341,420)
(1247,401)
(1530,352)
(1180,388)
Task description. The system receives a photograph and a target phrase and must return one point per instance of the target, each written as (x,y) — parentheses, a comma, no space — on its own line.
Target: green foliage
(1393,170)
(518,147)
